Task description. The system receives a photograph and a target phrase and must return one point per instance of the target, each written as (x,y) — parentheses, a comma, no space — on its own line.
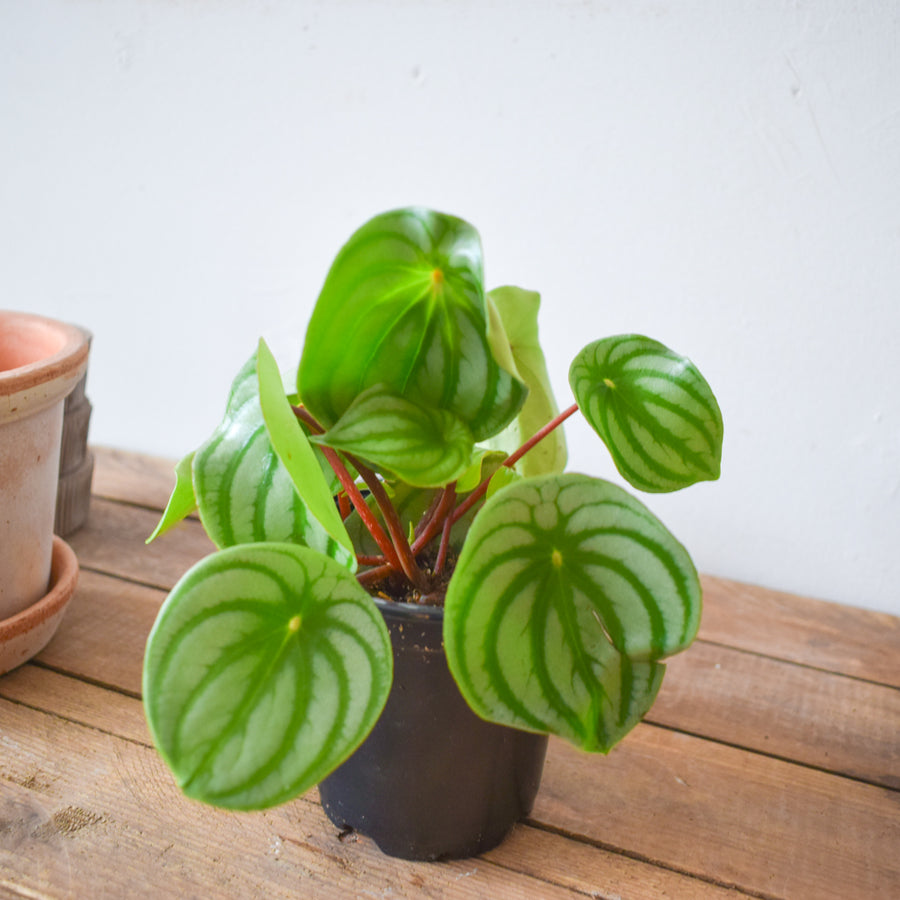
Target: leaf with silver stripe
(266,668)
(566,594)
(653,409)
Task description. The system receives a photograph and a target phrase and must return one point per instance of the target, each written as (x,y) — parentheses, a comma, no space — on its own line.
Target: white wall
(725,177)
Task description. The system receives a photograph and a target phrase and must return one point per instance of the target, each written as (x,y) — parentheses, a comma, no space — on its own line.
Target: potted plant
(409,500)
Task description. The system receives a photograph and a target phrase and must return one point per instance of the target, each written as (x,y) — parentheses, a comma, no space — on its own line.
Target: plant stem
(445,537)
(394,525)
(436,522)
(396,549)
(511,460)
(359,502)
(373,576)
(352,491)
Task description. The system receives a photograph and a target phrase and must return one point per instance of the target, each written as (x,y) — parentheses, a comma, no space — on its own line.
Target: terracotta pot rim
(28,388)
(69,360)
(63,578)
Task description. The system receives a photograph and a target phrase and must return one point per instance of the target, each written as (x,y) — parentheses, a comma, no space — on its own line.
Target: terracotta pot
(41,361)
(433,780)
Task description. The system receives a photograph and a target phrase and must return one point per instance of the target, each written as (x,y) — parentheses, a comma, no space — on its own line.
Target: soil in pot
(433,780)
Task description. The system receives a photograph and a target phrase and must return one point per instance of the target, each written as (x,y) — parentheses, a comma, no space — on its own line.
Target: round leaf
(565,594)
(403,307)
(267,666)
(652,408)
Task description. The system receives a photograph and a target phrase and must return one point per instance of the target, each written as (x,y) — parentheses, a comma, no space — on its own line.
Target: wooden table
(769,767)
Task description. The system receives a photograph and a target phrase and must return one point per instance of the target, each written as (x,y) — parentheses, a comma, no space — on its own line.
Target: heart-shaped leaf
(565,594)
(244,492)
(652,408)
(403,307)
(267,666)
(422,446)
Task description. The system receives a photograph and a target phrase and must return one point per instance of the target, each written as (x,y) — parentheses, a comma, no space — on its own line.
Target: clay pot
(41,361)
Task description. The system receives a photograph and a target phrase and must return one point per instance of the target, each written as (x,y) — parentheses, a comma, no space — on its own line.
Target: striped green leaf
(514,335)
(403,307)
(652,408)
(244,493)
(421,446)
(566,594)
(295,452)
(267,666)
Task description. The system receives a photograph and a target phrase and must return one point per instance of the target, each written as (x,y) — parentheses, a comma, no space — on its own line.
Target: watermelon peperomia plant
(421,460)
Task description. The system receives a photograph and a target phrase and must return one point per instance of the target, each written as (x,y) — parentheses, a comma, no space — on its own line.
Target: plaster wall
(176,176)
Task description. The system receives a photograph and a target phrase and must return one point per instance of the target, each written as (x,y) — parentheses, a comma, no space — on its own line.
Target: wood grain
(829,636)
(113,541)
(735,817)
(821,719)
(133,478)
(112,800)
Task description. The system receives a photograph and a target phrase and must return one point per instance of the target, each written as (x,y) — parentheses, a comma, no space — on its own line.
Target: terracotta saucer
(28,632)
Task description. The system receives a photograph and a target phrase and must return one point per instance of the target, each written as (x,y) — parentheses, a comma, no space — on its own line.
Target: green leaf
(652,408)
(514,336)
(403,307)
(244,492)
(421,446)
(484,463)
(267,667)
(182,501)
(567,592)
(501,478)
(295,451)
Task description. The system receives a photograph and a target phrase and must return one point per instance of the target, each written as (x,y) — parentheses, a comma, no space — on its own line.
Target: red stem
(373,576)
(351,491)
(395,526)
(445,537)
(511,460)
(366,514)
(434,525)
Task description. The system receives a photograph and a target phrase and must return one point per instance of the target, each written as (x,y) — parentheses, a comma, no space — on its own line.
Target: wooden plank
(820,719)
(105,819)
(113,540)
(120,805)
(543,855)
(77,701)
(769,827)
(600,873)
(132,477)
(857,642)
(102,636)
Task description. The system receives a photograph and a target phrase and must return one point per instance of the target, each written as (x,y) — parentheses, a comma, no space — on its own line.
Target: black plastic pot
(433,780)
